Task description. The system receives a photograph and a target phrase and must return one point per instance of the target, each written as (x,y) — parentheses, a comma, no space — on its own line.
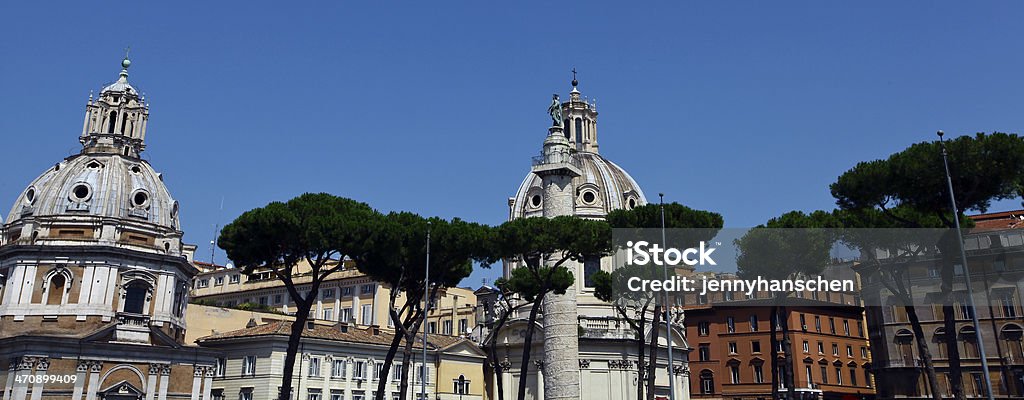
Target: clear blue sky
(747,108)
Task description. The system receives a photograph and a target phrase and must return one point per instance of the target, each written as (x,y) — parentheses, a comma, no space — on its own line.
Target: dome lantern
(115,123)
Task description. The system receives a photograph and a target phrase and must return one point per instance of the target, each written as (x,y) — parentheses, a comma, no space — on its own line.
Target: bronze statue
(555,111)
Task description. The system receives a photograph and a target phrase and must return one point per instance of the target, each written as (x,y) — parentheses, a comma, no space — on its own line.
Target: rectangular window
(849,351)
(753,323)
(338,369)
(218,281)
(730,324)
(346,291)
(703,328)
(346,315)
(234,278)
(314,366)
(807,347)
(219,366)
(249,366)
(732,347)
(755,346)
(360,370)
(367,289)
(817,323)
(860,329)
(821,348)
(734,371)
(367,314)
(835,349)
(839,375)
(337,394)
(853,376)
(432,327)
(810,378)
(314,394)
(863,352)
(704,352)
(463,326)
(446,327)
(396,372)
(277,299)
(591,264)
(204,283)
(423,373)
(328,314)
(263,300)
(846,327)
(758,374)
(378,371)
(832,325)
(245,394)
(803,322)
(824,375)
(327,293)
(358,395)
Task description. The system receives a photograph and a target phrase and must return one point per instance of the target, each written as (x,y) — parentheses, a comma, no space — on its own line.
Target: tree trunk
(773,342)
(498,382)
(294,338)
(652,368)
(406,361)
(389,360)
(524,367)
(956,382)
(922,349)
(640,355)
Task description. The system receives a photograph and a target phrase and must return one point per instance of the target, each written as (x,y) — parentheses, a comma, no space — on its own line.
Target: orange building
(730,356)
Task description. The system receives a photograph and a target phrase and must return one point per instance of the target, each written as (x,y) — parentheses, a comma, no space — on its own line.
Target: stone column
(42,364)
(207,383)
(83,367)
(94,379)
(154,371)
(561,371)
(197,381)
(23,369)
(165,377)
(9,385)
(300,389)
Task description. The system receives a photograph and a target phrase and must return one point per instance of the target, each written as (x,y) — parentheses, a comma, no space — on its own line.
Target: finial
(126,62)
(574,82)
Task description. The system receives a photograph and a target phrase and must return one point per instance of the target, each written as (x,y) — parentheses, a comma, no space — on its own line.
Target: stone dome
(102,186)
(601,187)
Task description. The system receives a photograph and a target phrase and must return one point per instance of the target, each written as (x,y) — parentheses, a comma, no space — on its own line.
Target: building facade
(995,254)
(94,276)
(340,362)
(345,296)
(582,348)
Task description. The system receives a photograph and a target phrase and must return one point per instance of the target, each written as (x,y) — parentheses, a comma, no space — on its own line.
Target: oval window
(30,195)
(589,197)
(80,192)
(140,198)
(535,200)
(632,203)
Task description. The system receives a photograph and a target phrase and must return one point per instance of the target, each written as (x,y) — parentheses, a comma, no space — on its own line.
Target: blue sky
(746,108)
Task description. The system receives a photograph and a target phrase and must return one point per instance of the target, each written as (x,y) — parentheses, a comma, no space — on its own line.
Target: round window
(589,197)
(135,168)
(632,203)
(80,192)
(174,209)
(140,198)
(30,195)
(535,200)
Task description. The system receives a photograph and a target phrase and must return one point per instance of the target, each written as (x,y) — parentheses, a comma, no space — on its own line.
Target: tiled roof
(998,220)
(334,332)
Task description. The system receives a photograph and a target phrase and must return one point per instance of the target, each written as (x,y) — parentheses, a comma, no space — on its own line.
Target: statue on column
(555,111)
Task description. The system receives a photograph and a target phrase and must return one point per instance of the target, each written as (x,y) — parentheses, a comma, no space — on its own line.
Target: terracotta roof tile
(333,332)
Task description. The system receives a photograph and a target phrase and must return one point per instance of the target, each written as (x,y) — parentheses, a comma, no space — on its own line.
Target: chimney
(342,327)
(310,325)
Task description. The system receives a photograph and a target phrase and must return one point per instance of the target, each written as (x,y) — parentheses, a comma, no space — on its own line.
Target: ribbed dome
(99,185)
(602,187)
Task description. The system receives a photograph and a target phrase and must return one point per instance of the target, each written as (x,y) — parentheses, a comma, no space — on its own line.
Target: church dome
(601,187)
(98,185)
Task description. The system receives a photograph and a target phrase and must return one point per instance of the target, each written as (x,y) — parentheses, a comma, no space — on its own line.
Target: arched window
(707,382)
(578,132)
(55,290)
(565,129)
(940,342)
(1012,334)
(904,343)
(970,339)
(124,121)
(111,121)
(135,297)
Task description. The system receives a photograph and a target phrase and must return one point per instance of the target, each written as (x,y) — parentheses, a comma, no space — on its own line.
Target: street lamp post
(426,310)
(668,316)
(967,273)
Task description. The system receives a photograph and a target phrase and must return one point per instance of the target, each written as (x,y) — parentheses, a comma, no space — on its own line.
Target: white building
(94,277)
(583,350)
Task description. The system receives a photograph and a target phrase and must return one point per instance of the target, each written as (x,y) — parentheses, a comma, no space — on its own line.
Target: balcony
(132,328)
(605,328)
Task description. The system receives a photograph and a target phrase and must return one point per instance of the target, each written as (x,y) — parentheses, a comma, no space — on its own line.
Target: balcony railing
(133,320)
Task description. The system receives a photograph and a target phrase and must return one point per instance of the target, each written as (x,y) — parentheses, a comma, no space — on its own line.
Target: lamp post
(668,319)
(426,310)
(967,273)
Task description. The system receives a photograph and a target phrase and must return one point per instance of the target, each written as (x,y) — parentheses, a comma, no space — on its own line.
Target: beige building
(345,296)
(340,362)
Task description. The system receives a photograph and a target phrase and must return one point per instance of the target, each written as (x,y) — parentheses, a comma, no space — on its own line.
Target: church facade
(582,348)
(94,276)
